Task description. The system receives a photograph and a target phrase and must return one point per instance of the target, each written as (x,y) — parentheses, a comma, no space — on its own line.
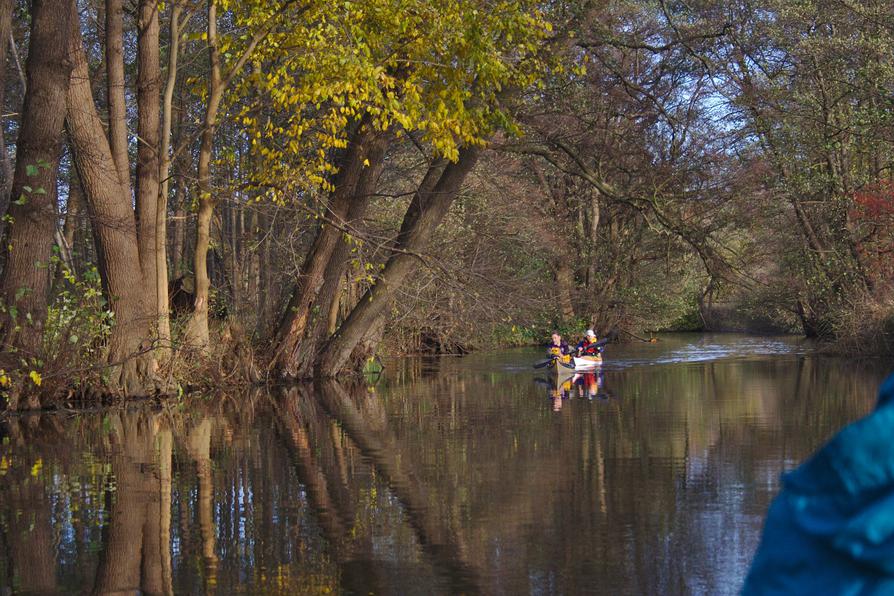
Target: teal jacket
(831,528)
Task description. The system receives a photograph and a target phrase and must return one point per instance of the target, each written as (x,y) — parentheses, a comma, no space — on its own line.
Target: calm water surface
(448,475)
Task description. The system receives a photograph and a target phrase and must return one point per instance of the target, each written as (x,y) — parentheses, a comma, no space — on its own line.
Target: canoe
(561,372)
(561,367)
(587,362)
(577,364)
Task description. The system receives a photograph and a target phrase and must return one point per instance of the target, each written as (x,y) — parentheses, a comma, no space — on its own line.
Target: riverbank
(235,361)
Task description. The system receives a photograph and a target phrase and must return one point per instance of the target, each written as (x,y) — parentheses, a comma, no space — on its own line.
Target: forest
(199,193)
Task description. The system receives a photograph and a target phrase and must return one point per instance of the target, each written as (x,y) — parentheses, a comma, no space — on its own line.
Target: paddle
(602,342)
(544,363)
(599,343)
(549,360)
(591,349)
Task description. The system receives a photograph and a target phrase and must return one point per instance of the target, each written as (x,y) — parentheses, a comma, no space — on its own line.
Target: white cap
(590,333)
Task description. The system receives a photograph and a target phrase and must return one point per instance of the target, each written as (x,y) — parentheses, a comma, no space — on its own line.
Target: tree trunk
(334,296)
(197,329)
(147,185)
(115,233)
(327,302)
(178,256)
(365,142)
(565,285)
(164,171)
(73,208)
(179,234)
(29,241)
(253,252)
(115,86)
(593,239)
(425,213)
(65,238)
(266,299)
(6,7)
(225,239)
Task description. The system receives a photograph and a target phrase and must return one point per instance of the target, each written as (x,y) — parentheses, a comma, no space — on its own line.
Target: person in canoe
(559,354)
(589,345)
(559,347)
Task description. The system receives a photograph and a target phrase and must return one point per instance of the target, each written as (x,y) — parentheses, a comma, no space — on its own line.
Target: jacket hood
(831,528)
(843,496)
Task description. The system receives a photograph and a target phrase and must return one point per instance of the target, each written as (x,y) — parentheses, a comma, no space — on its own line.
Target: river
(445,475)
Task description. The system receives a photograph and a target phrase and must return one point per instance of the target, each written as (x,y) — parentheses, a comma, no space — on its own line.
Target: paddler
(559,347)
(587,347)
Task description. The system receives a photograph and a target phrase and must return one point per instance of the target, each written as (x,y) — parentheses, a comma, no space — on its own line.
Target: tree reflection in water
(441,480)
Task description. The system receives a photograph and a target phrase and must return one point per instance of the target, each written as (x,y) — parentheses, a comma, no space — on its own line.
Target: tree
(148,162)
(261,18)
(428,208)
(805,82)
(177,25)
(393,74)
(130,356)
(6,8)
(26,277)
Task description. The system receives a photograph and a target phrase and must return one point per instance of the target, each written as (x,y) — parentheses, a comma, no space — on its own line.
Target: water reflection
(450,476)
(564,386)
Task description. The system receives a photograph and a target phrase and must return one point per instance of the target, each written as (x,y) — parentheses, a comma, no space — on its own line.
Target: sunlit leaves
(433,67)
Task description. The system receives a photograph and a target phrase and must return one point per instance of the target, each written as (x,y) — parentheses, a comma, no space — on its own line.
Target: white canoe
(587,362)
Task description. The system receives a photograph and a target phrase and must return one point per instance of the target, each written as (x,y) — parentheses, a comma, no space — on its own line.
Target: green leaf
(31,170)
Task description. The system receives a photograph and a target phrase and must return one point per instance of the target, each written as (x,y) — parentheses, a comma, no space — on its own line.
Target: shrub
(74,338)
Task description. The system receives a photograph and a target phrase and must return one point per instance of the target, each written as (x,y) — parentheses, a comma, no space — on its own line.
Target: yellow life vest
(555,351)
